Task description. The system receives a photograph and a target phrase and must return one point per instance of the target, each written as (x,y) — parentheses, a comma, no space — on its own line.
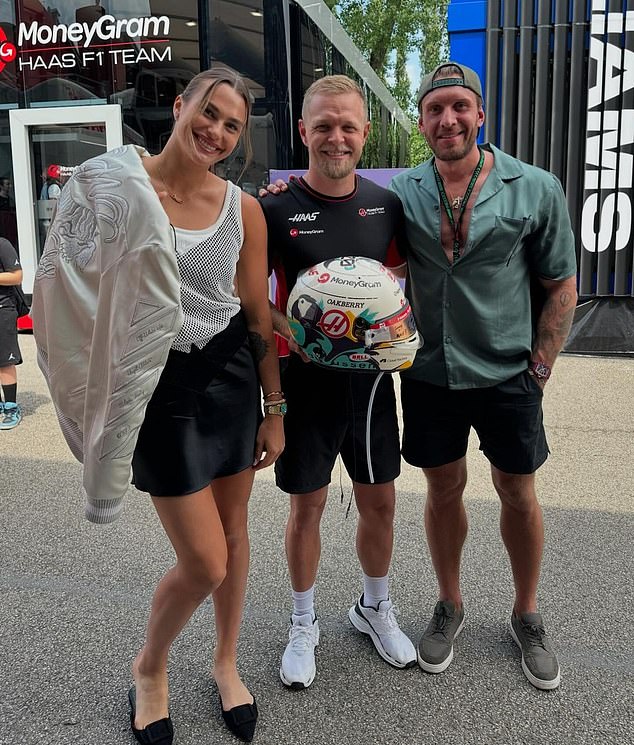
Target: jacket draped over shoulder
(106,307)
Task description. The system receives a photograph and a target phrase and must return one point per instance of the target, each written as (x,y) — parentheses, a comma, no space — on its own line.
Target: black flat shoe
(241,720)
(156,733)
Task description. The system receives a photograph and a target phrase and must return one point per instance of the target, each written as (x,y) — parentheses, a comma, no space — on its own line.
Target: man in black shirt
(328,213)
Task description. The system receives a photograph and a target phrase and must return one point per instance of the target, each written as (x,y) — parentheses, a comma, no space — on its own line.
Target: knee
(378,511)
(445,489)
(204,576)
(236,538)
(306,512)
(516,492)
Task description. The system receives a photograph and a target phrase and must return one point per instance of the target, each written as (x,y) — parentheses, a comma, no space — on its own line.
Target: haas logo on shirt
(304,217)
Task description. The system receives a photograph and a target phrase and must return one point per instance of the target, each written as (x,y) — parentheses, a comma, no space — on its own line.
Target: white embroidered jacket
(106,307)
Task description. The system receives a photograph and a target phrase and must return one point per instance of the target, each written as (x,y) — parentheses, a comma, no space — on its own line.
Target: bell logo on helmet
(350,313)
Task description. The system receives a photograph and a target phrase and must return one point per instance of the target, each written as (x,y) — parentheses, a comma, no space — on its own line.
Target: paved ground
(75,599)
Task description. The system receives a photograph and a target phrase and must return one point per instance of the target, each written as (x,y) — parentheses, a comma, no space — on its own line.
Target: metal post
(492,71)
(542,88)
(508,92)
(525,85)
(560,74)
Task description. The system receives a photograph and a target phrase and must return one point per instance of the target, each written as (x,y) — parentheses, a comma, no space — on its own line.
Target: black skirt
(202,420)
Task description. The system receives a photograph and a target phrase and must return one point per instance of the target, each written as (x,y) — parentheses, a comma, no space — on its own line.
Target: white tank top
(207,265)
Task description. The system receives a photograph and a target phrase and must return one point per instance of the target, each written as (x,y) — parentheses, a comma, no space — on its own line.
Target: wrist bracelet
(276,407)
(273,393)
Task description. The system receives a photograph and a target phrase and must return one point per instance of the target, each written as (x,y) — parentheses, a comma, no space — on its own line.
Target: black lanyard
(455,225)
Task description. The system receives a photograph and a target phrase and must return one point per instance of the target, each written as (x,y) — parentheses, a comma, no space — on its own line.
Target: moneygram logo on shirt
(8,52)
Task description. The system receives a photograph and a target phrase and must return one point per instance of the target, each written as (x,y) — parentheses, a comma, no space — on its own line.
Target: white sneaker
(382,627)
(298,661)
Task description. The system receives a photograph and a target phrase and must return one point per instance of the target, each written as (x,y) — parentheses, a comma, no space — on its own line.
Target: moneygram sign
(8,52)
(47,47)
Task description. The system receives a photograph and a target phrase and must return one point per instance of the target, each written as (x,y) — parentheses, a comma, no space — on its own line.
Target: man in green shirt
(486,232)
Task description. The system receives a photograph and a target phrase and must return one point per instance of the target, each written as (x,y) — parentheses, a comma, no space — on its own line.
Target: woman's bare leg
(232,499)
(194,528)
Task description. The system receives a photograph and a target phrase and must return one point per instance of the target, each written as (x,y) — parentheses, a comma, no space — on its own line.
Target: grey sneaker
(539,661)
(435,648)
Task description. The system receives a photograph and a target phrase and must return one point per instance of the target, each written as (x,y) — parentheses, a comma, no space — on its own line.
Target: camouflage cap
(469,79)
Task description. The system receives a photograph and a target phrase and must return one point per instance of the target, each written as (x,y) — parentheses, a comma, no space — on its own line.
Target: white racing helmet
(350,313)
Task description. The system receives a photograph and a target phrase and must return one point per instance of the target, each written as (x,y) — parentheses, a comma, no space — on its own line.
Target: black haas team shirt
(306,227)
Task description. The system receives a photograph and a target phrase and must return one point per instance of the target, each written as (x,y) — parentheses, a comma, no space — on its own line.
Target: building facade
(78,77)
(559,93)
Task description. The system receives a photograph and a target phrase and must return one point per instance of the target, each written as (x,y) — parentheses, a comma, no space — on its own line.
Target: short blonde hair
(334,85)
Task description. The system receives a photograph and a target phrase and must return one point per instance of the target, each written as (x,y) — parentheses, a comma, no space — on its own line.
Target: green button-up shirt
(475,315)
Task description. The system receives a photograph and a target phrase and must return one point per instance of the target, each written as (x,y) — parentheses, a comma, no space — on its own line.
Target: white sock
(304,602)
(375,590)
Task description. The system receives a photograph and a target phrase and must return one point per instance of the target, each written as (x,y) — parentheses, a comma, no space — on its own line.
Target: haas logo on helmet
(350,313)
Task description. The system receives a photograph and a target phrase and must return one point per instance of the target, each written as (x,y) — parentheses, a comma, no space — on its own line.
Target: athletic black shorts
(328,415)
(196,430)
(9,349)
(507,418)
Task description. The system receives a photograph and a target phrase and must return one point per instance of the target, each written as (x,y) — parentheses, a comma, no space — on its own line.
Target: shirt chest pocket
(507,236)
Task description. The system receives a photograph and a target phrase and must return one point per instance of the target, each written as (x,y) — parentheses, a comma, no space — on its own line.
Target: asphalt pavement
(75,598)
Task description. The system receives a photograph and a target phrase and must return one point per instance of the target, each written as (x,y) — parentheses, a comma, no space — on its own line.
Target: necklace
(171,194)
(457,203)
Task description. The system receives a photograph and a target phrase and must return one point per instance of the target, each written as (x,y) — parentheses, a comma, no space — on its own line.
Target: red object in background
(25,323)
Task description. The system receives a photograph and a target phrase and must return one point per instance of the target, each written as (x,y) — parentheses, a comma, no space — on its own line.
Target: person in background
(484,232)
(5,193)
(10,357)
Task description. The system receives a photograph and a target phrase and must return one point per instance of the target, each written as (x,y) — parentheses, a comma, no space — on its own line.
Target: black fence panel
(560,95)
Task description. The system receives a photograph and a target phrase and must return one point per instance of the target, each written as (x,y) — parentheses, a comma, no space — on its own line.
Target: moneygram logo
(8,52)
(107,28)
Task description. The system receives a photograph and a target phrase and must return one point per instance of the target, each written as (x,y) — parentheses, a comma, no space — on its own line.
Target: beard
(335,170)
(457,153)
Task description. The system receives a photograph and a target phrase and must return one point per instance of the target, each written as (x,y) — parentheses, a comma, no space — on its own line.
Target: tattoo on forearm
(555,322)
(563,316)
(259,346)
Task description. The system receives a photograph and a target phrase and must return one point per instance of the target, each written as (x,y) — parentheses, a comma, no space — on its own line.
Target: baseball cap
(469,79)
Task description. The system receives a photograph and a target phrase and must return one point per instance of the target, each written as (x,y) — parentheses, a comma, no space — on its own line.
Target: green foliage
(419,150)
(388,32)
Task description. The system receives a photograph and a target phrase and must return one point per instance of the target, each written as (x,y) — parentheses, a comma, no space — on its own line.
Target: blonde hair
(334,85)
(210,80)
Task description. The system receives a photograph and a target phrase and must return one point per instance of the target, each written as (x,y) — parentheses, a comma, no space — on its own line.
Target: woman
(203,436)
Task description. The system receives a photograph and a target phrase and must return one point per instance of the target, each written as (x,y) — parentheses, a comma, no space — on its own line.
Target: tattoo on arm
(555,322)
(259,346)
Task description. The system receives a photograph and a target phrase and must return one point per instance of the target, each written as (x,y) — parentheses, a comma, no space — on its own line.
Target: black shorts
(9,349)
(507,417)
(327,416)
(196,431)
